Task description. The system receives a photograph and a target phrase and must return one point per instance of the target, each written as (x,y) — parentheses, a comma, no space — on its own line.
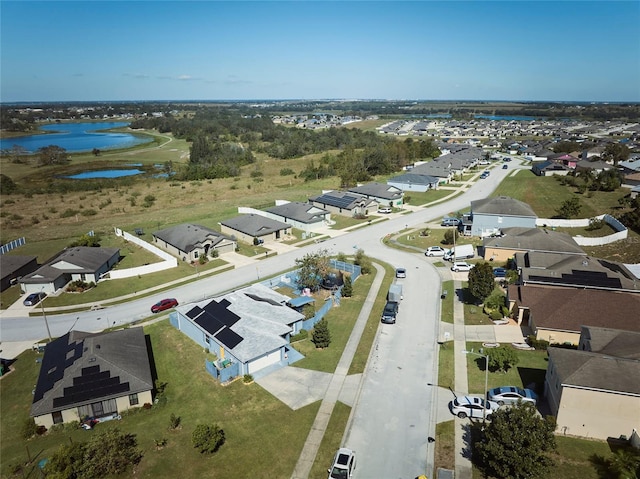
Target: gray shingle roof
(255,225)
(502,206)
(378,190)
(302,212)
(415,179)
(534,239)
(9,263)
(79,259)
(80,368)
(342,199)
(186,237)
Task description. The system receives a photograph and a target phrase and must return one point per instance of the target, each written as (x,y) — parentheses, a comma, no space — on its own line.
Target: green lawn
(417,198)
(447,302)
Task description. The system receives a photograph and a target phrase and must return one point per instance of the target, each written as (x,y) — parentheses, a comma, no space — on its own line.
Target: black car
(34,298)
(390,312)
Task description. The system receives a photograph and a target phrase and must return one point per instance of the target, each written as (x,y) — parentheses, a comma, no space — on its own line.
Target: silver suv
(344,463)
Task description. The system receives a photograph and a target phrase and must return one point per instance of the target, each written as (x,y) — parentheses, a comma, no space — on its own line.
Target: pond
(87,175)
(77,137)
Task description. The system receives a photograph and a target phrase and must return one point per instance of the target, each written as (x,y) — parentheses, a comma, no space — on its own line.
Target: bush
(595,224)
(68,213)
(207,438)
(287,172)
(302,335)
(174,421)
(495,314)
(540,344)
(347,287)
(321,335)
(247,378)
(29,428)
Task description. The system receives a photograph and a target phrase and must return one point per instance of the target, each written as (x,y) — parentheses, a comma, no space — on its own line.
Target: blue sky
(217,50)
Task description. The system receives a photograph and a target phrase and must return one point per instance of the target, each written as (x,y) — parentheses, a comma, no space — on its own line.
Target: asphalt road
(394,415)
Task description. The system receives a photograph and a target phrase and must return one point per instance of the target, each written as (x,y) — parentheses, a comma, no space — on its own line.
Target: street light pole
(45,316)
(486,381)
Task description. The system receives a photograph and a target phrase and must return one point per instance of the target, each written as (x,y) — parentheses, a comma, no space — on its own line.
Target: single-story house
(597,166)
(488,216)
(566,159)
(594,391)
(345,203)
(248,329)
(384,194)
(189,242)
(13,267)
(440,171)
(550,168)
(575,270)
(414,182)
(88,375)
(556,313)
(252,227)
(302,216)
(513,240)
(80,263)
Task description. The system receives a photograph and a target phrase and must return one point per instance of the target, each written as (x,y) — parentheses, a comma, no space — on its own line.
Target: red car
(164,304)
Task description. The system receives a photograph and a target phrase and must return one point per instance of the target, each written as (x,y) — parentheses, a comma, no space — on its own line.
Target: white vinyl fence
(168,260)
(621,230)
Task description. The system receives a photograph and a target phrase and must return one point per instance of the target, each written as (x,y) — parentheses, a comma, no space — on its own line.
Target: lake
(77,137)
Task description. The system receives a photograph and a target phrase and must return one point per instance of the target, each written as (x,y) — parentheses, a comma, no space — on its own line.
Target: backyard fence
(621,230)
(169,261)
(5,248)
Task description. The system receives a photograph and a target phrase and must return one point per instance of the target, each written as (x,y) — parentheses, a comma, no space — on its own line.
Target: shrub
(215,253)
(321,335)
(68,213)
(595,224)
(286,172)
(495,314)
(247,378)
(29,428)
(303,334)
(540,344)
(207,438)
(89,212)
(174,421)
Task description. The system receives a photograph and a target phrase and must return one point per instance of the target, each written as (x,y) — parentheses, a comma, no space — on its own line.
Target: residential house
(92,375)
(13,267)
(435,170)
(253,229)
(345,203)
(566,159)
(511,241)
(556,313)
(414,182)
(248,330)
(550,168)
(303,216)
(383,194)
(189,241)
(594,391)
(488,216)
(595,166)
(80,263)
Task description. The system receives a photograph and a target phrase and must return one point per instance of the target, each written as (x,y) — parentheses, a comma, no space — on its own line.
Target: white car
(461,266)
(472,406)
(344,463)
(384,210)
(401,273)
(511,395)
(434,251)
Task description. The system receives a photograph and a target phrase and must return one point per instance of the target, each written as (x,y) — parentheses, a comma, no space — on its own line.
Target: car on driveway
(435,251)
(344,463)
(384,210)
(401,273)
(164,304)
(511,395)
(461,266)
(472,406)
(499,272)
(34,298)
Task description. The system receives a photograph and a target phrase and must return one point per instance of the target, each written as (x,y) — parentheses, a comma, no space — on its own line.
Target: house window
(57,417)
(195,254)
(133,399)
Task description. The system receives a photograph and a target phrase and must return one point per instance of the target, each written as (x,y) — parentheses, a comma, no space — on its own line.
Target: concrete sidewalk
(312,444)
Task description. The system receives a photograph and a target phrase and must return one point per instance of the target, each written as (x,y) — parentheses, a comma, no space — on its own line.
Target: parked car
(344,463)
(484,176)
(401,273)
(435,251)
(511,395)
(472,406)
(164,304)
(461,266)
(505,166)
(384,210)
(390,312)
(34,298)
(449,221)
(506,158)
(499,272)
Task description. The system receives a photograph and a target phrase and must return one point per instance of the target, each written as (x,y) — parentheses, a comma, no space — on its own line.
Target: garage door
(263,362)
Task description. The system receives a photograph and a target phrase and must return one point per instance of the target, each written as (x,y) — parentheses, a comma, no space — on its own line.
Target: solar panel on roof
(194,312)
(229,338)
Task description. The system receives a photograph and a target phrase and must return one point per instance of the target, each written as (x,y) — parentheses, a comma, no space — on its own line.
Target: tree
(502,358)
(208,438)
(312,268)
(7,185)
(347,286)
(362,260)
(625,463)
(569,208)
(52,155)
(96,152)
(106,454)
(86,240)
(516,443)
(616,152)
(449,236)
(481,281)
(321,335)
